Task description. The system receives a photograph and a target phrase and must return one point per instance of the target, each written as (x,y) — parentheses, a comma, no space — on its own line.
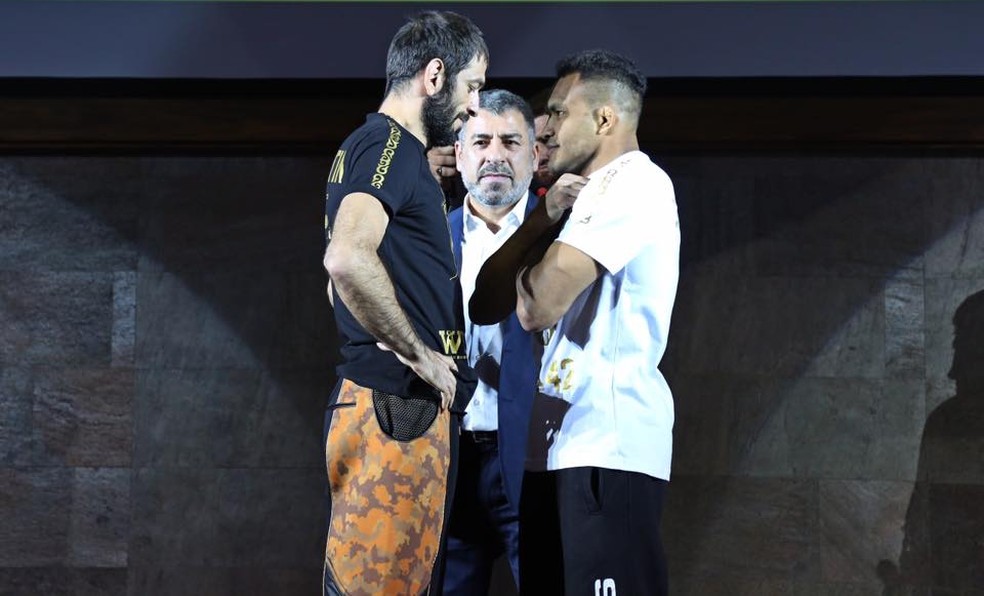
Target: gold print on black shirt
(452,340)
(337,168)
(382,168)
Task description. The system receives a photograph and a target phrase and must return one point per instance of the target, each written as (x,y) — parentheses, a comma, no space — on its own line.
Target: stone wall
(166,350)
(813,336)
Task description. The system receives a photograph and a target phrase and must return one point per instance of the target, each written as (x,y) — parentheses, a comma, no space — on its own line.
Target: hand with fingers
(562,195)
(442,163)
(436,369)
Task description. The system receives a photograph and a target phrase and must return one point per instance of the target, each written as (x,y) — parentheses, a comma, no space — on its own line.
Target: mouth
(495,177)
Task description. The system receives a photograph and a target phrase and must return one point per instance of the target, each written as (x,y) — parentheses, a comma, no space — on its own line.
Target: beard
(544,177)
(438,116)
(498,194)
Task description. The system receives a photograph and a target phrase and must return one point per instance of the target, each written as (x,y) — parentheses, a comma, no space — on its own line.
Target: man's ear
(434,76)
(457,155)
(605,120)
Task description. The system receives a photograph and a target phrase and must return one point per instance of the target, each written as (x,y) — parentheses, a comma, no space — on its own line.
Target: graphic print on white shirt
(601,398)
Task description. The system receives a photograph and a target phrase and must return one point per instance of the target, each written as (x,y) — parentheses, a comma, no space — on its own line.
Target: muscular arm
(360,279)
(495,288)
(547,289)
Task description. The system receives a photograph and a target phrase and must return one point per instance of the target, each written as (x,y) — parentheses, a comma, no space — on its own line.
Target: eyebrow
(507,135)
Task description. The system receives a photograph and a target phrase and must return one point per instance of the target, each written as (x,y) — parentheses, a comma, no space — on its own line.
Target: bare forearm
(367,291)
(534,255)
(530,316)
(534,306)
(495,288)
(495,291)
(547,288)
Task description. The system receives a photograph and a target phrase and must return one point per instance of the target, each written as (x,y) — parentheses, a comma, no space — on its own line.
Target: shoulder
(380,134)
(637,168)
(389,154)
(640,183)
(655,174)
(371,131)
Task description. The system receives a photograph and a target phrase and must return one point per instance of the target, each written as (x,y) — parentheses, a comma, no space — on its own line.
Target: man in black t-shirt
(394,288)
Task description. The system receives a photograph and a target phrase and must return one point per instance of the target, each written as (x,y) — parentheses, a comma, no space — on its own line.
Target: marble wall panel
(69,213)
(83,417)
(62,581)
(174,517)
(35,506)
(99,526)
(862,524)
(779,327)
(56,318)
(230,418)
(742,528)
(16,416)
(225,214)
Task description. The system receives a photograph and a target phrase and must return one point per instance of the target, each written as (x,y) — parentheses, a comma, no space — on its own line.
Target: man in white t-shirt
(599,282)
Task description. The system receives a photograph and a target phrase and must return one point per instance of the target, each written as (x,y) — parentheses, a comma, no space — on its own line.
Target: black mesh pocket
(403,418)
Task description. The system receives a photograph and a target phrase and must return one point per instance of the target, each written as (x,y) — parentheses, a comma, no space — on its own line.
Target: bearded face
(438,115)
(496,184)
(496,157)
(452,102)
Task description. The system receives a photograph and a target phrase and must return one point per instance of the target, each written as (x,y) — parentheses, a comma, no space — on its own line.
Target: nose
(472,106)
(495,152)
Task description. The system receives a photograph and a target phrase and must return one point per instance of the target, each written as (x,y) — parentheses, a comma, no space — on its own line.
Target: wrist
(417,351)
(546,216)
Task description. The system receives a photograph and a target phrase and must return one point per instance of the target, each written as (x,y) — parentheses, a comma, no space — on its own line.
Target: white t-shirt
(602,401)
(484,342)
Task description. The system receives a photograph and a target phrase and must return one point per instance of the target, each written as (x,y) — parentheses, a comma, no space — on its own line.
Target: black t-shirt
(384,160)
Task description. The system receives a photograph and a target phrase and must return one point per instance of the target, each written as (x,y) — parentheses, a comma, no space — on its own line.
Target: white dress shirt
(484,342)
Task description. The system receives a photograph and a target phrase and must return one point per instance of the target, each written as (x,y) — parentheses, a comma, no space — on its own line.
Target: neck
(607,152)
(406,112)
(492,216)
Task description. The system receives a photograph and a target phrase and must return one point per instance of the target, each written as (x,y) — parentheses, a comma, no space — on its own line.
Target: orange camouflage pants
(387,500)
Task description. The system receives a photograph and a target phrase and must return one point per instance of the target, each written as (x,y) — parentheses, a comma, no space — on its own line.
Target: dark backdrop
(166,347)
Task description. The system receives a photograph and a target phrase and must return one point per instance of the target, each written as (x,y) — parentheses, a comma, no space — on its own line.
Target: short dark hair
(539,100)
(433,34)
(500,101)
(607,66)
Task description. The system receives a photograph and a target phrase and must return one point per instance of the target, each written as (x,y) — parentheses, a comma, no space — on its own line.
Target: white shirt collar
(513,218)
